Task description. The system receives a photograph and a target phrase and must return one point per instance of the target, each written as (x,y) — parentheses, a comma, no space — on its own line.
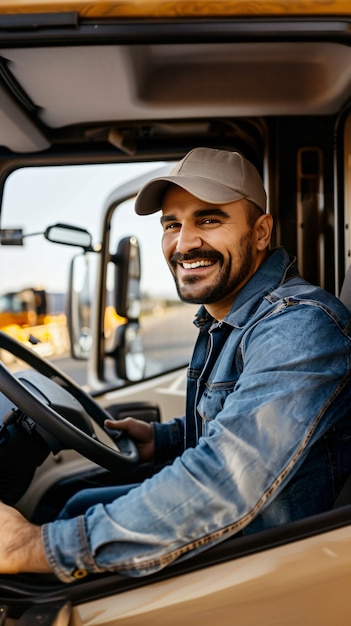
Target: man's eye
(210,220)
(170,226)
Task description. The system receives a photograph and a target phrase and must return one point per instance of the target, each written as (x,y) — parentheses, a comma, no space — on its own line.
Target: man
(267,433)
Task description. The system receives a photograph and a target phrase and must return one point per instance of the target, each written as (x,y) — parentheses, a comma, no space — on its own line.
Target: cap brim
(150,197)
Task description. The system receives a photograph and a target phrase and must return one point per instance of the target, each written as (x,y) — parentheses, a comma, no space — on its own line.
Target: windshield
(34,280)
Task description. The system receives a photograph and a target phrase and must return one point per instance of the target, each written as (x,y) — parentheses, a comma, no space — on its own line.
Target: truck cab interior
(83,85)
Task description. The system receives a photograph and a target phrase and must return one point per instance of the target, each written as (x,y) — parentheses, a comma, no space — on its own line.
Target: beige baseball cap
(213,176)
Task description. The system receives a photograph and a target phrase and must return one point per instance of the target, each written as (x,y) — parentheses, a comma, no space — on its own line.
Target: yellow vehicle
(24,308)
(24,315)
(95,98)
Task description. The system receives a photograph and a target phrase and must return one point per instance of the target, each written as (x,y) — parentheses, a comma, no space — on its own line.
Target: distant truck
(25,315)
(27,307)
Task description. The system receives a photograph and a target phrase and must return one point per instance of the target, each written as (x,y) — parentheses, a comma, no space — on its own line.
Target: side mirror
(127,278)
(127,342)
(79,307)
(56,233)
(69,236)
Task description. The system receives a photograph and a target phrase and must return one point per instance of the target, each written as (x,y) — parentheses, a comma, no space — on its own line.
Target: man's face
(211,250)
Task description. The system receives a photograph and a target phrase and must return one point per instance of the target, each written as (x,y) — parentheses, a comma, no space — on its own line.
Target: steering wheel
(55,403)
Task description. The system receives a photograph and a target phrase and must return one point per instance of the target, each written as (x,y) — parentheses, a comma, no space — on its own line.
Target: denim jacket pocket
(212,402)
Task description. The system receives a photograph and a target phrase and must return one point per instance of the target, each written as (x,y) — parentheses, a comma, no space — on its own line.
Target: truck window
(34,279)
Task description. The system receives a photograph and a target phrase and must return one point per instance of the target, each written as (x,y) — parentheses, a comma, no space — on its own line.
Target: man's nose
(188,239)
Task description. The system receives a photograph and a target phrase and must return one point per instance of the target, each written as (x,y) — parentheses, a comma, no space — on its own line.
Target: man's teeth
(193,266)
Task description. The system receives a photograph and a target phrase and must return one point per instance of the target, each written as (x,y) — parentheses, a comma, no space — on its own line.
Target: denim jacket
(266,438)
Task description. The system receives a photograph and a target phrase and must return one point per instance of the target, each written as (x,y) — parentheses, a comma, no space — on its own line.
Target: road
(168,340)
(77,370)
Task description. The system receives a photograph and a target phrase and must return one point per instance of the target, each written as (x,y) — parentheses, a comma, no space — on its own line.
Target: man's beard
(226,283)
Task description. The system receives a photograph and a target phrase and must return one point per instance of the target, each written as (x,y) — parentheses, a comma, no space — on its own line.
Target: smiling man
(211,252)
(266,438)
(214,241)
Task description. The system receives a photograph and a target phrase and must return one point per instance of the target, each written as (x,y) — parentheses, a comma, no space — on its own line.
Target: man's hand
(21,547)
(141,433)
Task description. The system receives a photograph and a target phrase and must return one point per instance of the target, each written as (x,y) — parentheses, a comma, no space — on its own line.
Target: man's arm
(21,546)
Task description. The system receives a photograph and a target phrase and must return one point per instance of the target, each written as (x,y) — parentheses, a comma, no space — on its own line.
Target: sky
(37,197)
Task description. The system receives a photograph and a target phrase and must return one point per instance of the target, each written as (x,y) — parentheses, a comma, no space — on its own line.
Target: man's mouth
(195,264)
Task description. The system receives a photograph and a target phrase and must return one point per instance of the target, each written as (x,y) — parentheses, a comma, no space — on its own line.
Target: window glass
(34,277)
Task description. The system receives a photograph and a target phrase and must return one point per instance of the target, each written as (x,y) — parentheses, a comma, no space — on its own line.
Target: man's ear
(263,229)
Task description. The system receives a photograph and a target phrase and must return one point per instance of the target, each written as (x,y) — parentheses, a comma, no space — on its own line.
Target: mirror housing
(69,236)
(79,307)
(127,278)
(127,343)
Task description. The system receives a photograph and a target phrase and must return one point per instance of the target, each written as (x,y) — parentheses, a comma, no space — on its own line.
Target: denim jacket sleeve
(169,440)
(291,389)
